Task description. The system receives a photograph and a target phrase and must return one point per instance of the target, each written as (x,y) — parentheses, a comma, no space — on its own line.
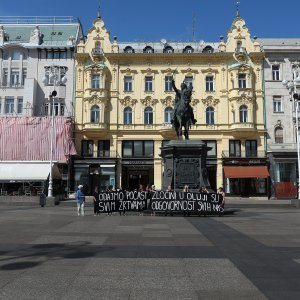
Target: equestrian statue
(183,112)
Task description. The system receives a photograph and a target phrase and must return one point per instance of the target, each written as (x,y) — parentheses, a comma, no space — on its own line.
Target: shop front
(136,173)
(283,172)
(246,178)
(92,173)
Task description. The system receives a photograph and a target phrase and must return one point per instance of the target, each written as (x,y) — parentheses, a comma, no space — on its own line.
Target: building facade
(125,102)
(36,58)
(282,62)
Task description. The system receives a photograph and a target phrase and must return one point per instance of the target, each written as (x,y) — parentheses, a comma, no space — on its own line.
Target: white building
(35,55)
(28,47)
(282,57)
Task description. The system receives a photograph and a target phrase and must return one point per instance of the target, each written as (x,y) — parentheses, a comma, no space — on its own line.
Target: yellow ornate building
(125,101)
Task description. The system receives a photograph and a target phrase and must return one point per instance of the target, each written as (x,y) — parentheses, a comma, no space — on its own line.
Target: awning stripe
(28,139)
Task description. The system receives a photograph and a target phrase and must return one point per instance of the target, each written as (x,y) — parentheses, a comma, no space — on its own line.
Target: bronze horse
(183,112)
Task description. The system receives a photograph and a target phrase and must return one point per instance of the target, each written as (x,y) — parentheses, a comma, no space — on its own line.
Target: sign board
(160,201)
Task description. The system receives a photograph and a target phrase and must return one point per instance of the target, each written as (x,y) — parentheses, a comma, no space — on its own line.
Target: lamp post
(54,75)
(291,85)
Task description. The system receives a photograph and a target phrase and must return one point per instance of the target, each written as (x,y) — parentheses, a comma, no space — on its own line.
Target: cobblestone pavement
(51,253)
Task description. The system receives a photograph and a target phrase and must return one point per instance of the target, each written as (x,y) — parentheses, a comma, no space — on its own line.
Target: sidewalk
(255,201)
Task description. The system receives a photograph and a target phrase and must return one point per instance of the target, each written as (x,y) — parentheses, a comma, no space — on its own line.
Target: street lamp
(291,85)
(55,75)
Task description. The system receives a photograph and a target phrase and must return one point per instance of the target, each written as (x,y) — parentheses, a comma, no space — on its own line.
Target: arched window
(168,49)
(210,116)
(208,49)
(148,49)
(238,46)
(148,115)
(278,135)
(188,49)
(243,114)
(129,49)
(169,113)
(128,115)
(95,114)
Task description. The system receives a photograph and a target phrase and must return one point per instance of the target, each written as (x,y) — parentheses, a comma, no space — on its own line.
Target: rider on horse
(183,95)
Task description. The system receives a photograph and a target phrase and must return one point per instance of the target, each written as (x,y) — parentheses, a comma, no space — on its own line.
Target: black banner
(161,201)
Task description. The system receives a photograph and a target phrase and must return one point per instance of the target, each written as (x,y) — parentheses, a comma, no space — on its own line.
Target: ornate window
(148,115)
(95,81)
(188,81)
(128,83)
(278,135)
(148,83)
(128,115)
(168,83)
(242,81)
(95,114)
(243,114)
(169,113)
(238,46)
(209,83)
(210,116)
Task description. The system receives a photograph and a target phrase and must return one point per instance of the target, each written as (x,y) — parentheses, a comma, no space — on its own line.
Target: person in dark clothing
(96,200)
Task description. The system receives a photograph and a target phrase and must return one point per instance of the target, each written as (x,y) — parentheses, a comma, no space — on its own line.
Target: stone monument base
(185,164)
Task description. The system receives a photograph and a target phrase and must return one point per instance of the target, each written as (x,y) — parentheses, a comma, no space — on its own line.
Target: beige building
(125,101)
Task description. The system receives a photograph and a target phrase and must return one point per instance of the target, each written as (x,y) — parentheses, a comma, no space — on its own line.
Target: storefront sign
(137,162)
(160,201)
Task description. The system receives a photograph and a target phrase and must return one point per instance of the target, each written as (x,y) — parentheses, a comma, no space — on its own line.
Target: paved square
(50,253)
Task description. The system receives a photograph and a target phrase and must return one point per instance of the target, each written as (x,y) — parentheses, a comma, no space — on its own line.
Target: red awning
(246,172)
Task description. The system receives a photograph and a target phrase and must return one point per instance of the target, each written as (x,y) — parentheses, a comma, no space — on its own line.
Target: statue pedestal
(185,164)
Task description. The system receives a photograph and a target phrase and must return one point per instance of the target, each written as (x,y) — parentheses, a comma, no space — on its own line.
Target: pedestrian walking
(80,198)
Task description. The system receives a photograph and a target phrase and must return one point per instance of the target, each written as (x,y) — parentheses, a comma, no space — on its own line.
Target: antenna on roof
(99,17)
(237,8)
(193,27)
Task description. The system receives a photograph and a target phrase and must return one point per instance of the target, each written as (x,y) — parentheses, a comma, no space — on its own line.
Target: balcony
(95,128)
(167,130)
(240,50)
(97,52)
(242,129)
(241,53)
(257,154)
(239,92)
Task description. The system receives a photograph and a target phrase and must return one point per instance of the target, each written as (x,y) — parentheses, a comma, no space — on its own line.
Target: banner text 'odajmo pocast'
(160,201)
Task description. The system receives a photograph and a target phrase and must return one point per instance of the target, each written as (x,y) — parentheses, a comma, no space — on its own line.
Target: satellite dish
(163,41)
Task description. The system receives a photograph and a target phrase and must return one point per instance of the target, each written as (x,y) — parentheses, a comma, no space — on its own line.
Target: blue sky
(140,20)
